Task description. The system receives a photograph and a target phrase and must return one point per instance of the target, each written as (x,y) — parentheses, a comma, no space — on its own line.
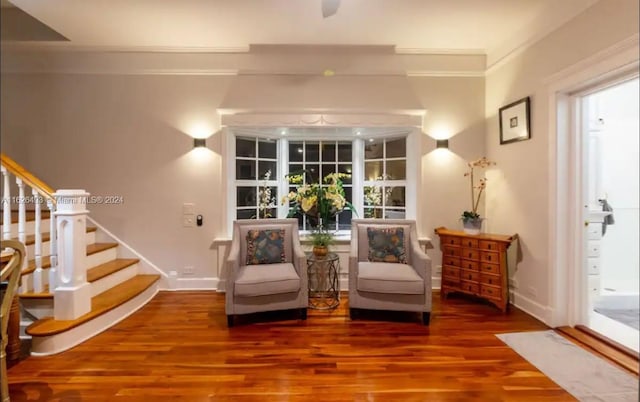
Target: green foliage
(469,216)
(321,238)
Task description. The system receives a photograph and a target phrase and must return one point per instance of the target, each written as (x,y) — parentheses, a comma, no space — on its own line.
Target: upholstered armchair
(266,268)
(387,268)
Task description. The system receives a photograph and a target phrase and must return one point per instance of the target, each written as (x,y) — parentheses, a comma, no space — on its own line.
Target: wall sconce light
(442,144)
(199,143)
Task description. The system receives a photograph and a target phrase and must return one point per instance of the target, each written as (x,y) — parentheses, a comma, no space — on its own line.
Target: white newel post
(72,296)
(6,205)
(53,247)
(22,212)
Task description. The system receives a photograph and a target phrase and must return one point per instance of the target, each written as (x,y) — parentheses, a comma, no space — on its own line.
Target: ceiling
(413,26)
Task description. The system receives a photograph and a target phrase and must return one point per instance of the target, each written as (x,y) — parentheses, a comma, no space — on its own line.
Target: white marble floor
(584,375)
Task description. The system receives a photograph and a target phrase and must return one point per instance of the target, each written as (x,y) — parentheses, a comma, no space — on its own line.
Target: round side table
(324,281)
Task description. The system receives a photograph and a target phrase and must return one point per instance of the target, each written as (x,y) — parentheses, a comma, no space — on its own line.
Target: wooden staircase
(119,282)
(114,282)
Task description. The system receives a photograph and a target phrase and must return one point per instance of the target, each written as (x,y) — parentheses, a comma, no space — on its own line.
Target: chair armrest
(420,261)
(232,262)
(300,260)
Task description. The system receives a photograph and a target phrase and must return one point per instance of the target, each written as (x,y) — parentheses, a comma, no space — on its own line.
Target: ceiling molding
(465,52)
(321,119)
(67,47)
(445,73)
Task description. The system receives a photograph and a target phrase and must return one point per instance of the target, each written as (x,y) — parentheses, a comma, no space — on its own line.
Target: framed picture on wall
(515,124)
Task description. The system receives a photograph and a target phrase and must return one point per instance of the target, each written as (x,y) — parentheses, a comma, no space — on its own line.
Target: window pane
(246,197)
(295,169)
(269,213)
(394,214)
(264,166)
(312,151)
(396,170)
(245,169)
(372,170)
(267,149)
(395,196)
(246,148)
(246,214)
(373,213)
(295,151)
(373,150)
(313,173)
(328,152)
(344,152)
(397,148)
(328,169)
(373,196)
(344,220)
(346,169)
(348,193)
(268,196)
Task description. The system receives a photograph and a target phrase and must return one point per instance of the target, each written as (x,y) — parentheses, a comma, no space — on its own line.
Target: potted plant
(321,240)
(471,220)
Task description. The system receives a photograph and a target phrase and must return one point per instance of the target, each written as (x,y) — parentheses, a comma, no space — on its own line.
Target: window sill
(340,239)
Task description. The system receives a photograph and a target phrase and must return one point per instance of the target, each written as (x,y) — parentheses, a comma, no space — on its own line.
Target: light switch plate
(189,221)
(188,208)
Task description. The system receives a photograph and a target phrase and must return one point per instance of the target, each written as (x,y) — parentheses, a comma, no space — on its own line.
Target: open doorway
(611,144)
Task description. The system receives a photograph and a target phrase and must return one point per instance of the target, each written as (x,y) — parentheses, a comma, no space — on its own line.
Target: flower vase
(472,226)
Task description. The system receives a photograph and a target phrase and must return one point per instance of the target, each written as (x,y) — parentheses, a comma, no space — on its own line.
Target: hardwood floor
(178,347)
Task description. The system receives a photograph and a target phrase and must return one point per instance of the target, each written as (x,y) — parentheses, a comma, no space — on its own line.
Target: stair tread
(100,304)
(98,247)
(30,215)
(32,295)
(108,268)
(31,239)
(46,260)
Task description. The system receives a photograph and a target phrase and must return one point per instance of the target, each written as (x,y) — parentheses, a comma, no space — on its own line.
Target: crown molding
(444,51)
(445,73)
(67,47)
(321,119)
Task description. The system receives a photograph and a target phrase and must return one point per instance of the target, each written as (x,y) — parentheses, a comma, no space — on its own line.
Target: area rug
(584,375)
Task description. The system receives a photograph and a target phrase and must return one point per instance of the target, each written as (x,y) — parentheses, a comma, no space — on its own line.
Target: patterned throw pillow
(265,246)
(386,245)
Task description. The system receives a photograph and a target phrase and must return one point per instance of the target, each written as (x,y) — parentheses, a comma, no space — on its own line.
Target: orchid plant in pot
(471,220)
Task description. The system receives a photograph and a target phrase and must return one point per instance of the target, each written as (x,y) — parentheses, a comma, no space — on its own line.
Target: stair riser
(90,238)
(30,227)
(38,307)
(101,257)
(114,279)
(24,323)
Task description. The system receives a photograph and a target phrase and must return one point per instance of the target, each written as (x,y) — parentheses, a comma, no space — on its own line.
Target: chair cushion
(265,246)
(387,245)
(382,277)
(268,279)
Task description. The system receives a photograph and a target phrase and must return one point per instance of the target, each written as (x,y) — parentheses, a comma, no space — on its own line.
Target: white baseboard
(194,284)
(534,309)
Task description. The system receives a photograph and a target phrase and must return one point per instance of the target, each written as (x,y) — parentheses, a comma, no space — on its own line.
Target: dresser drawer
(488,245)
(488,256)
(490,268)
(454,261)
(450,240)
(488,279)
(451,272)
(467,264)
(470,253)
(472,243)
(470,287)
(448,283)
(490,292)
(450,251)
(467,275)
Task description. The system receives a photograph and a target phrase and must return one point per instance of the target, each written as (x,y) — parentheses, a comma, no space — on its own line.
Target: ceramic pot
(320,251)
(472,226)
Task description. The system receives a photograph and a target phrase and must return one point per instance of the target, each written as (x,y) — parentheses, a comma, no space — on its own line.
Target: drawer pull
(490,281)
(470,255)
(451,241)
(488,258)
(470,276)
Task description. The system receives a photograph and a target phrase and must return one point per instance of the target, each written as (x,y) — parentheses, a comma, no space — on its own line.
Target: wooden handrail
(27,177)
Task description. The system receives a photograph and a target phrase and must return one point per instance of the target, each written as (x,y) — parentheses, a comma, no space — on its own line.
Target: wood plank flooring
(178,347)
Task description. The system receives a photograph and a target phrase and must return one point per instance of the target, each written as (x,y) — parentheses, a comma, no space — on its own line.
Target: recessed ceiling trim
(445,73)
(407,50)
(67,47)
(321,119)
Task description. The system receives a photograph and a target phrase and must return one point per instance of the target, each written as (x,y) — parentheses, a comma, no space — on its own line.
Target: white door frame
(566,210)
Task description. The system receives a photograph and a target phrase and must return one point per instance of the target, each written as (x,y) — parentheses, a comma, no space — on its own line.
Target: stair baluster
(53,248)
(38,282)
(6,205)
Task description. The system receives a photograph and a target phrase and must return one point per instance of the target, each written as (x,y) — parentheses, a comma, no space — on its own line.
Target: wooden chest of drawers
(476,265)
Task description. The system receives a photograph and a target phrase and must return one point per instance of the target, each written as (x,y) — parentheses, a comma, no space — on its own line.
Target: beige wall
(128,135)
(517,193)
